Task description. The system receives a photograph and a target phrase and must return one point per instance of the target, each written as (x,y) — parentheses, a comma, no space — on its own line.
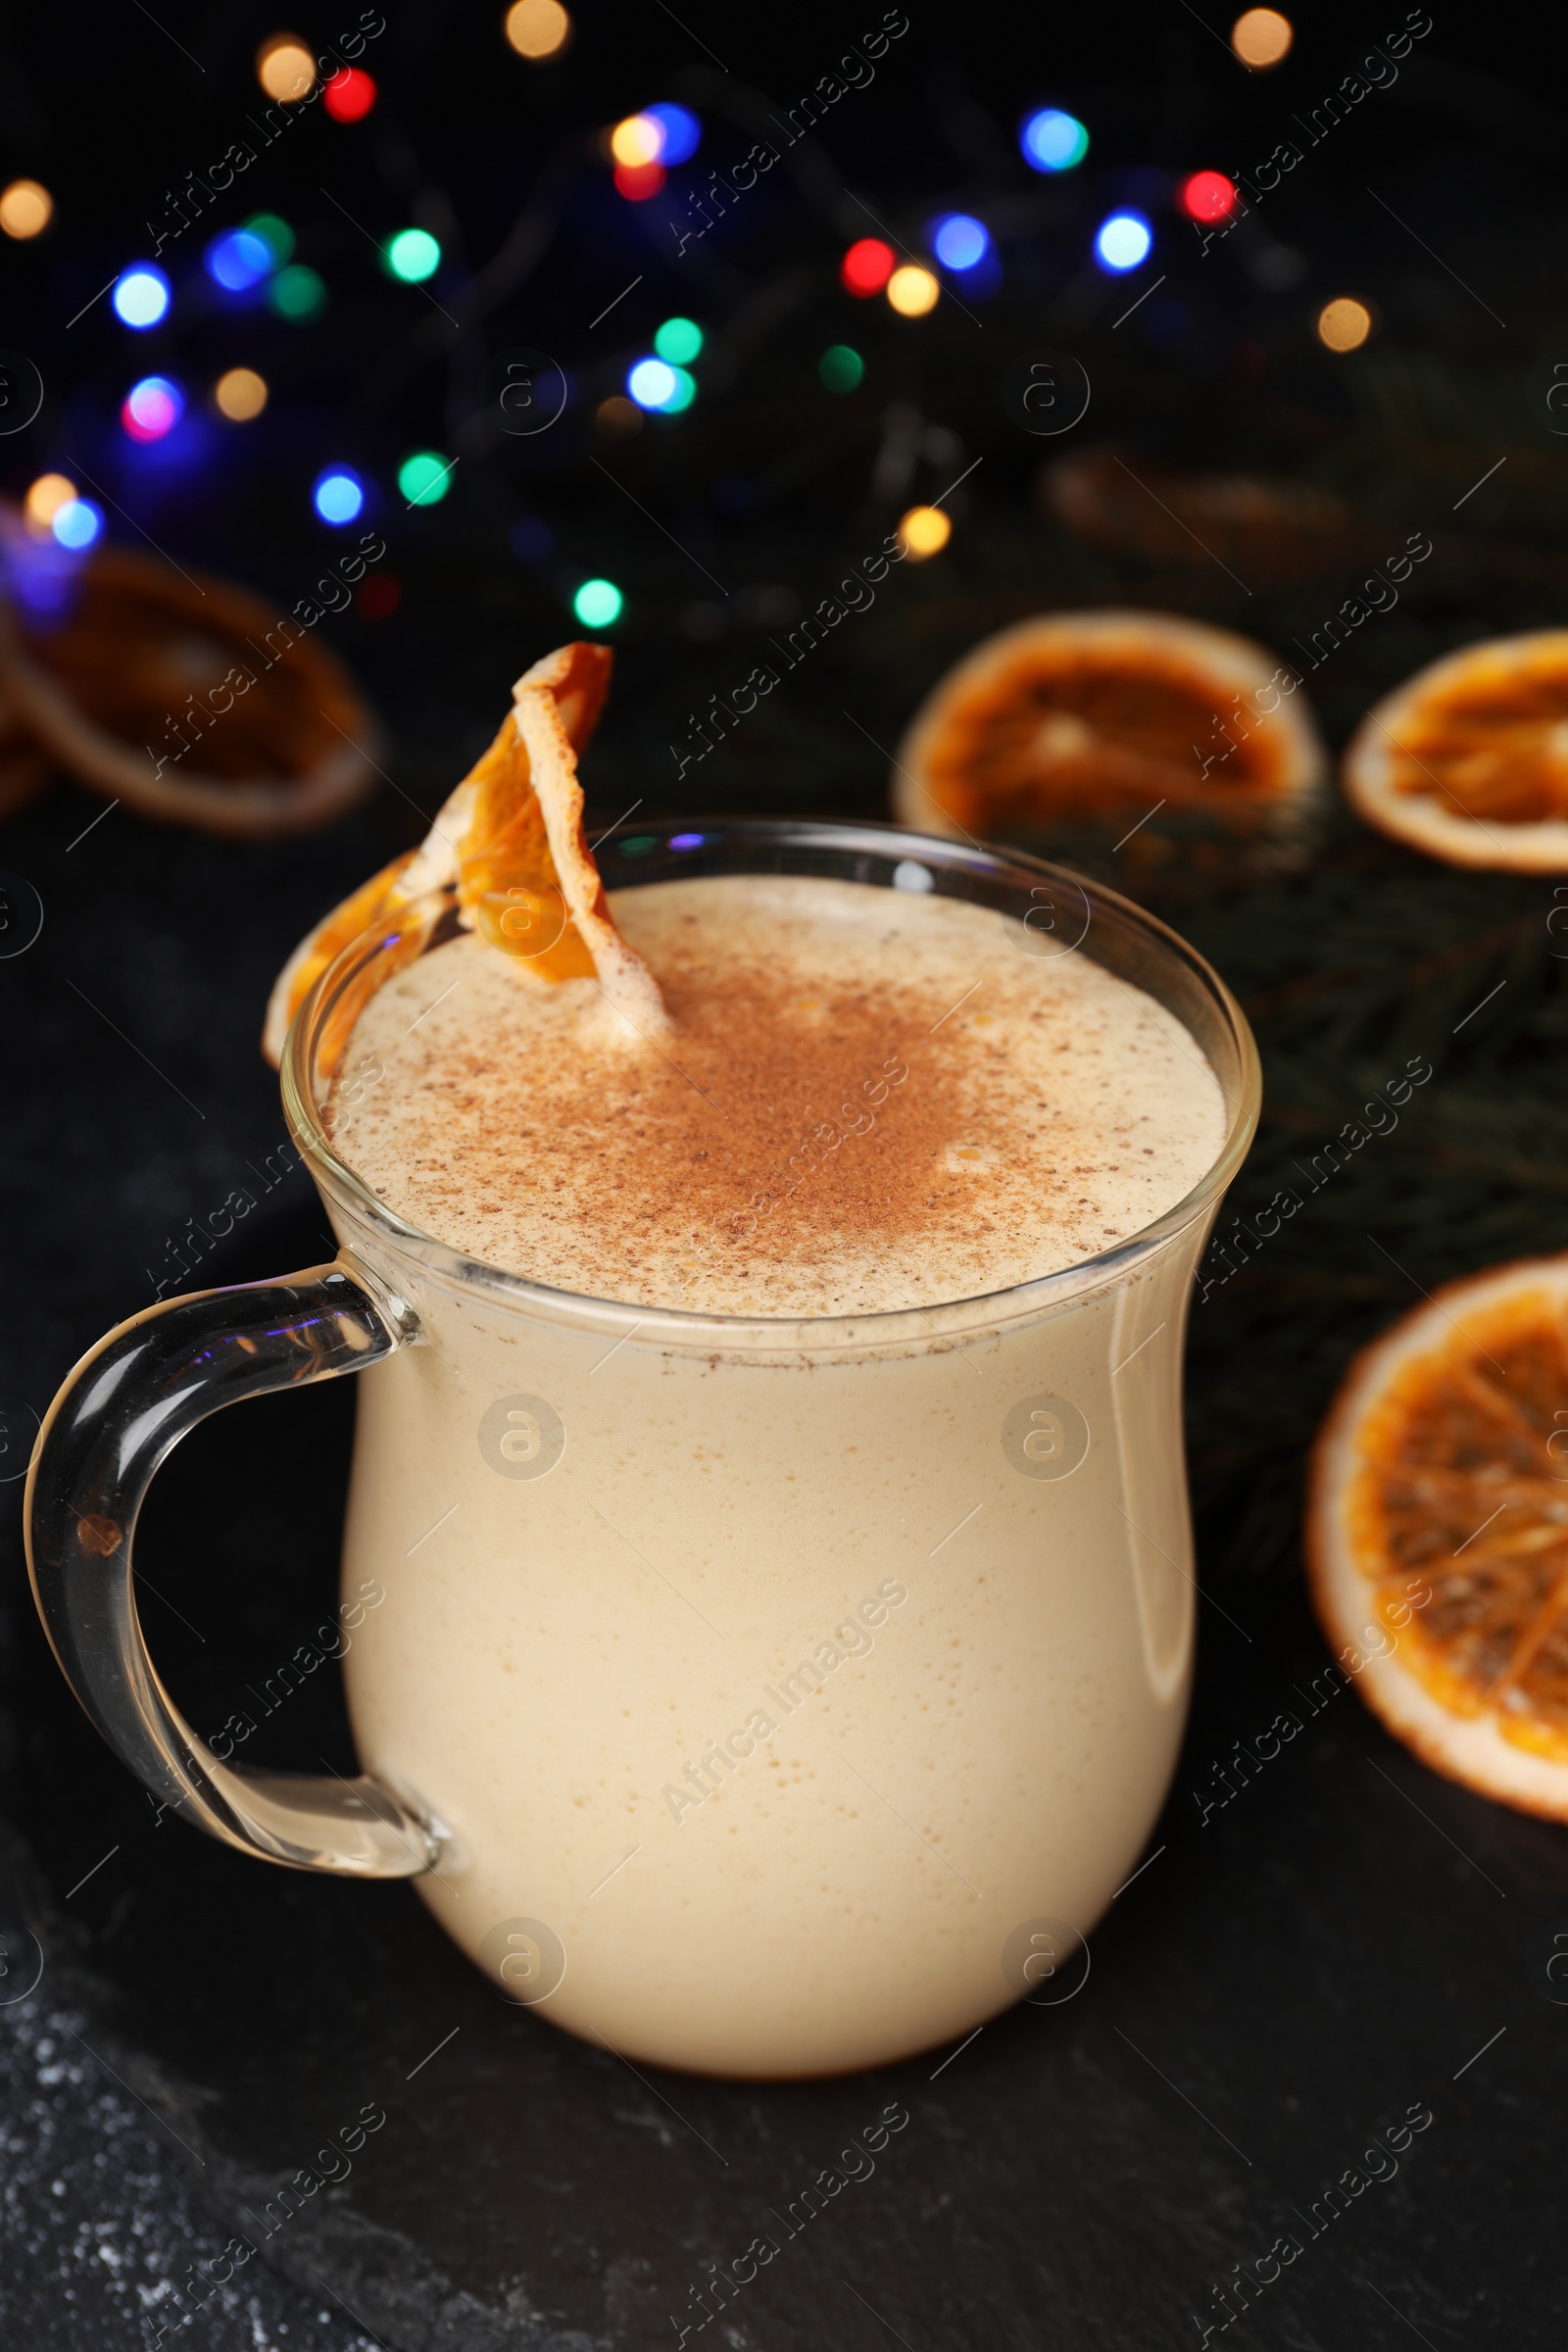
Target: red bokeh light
(867,265)
(349,95)
(378,596)
(1208,196)
(638,181)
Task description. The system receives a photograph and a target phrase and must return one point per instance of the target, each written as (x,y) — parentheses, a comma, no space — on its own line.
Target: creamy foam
(871,1100)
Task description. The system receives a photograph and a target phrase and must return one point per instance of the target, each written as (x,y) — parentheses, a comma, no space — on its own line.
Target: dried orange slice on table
(1132,734)
(1438,1532)
(1468,760)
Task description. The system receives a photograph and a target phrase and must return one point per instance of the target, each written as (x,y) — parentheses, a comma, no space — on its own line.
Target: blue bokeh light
(238,259)
(959,241)
(682,132)
(77,524)
(1122,241)
(651,384)
(1053,141)
(140,296)
(338,496)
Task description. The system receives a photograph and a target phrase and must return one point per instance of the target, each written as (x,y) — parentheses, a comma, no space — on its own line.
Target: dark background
(1336,1944)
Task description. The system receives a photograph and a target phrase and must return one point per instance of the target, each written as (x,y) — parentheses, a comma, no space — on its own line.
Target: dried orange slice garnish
(509,846)
(1438,1532)
(1468,760)
(1114,720)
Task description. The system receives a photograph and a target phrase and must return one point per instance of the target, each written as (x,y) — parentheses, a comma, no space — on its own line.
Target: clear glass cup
(760,1697)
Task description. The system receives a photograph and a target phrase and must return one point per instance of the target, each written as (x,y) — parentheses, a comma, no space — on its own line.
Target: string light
(1053,141)
(639,139)
(538,29)
(638,181)
(26,209)
(598,603)
(141,296)
(152,408)
(1262,36)
(239,260)
(924,531)
(1344,325)
(651,384)
(840,367)
(426,478)
(1208,196)
(959,241)
(286,67)
(682,134)
(43,502)
(275,234)
(77,523)
(349,96)
(338,496)
(240,394)
(413,256)
(678,340)
(1122,241)
(618,416)
(867,268)
(297,292)
(912,291)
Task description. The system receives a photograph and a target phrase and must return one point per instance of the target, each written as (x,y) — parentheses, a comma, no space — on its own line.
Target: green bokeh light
(275,234)
(412,254)
(426,477)
(678,340)
(683,395)
(840,367)
(597,604)
(297,292)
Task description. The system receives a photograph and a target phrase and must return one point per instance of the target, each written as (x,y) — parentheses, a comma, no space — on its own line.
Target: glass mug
(759,1697)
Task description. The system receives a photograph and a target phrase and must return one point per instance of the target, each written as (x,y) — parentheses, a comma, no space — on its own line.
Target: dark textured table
(1335,1975)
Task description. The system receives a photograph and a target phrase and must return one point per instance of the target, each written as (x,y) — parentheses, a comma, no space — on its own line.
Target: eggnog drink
(827,1651)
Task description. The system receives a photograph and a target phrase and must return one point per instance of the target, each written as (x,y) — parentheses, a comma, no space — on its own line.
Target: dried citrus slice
(1468,760)
(509,844)
(1438,1532)
(1114,720)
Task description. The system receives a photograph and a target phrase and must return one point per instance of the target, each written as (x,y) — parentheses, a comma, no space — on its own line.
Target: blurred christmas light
(682,134)
(413,256)
(378,596)
(840,367)
(867,265)
(275,234)
(239,259)
(338,494)
(297,292)
(958,241)
(912,291)
(638,181)
(152,408)
(651,384)
(141,296)
(639,139)
(286,67)
(618,416)
(1122,241)
(26,209)
(1208,196)
(1053,141)
(678,340)
(240,394)
(43,502)
(682,395)
(924,531)
(349,96)
(597,604)
(538,29)
(426,478)
(77,523)
(1262,36)
(1344,325)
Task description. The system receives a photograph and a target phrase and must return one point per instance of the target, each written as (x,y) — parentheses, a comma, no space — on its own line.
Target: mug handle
(126,1406)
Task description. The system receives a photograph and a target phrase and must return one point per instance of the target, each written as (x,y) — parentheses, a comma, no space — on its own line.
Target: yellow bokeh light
(924,531)
(538,29)
(1262,36)
(912,291)
(241,394)
(25,208)
(1344,325)
(286,67)
(637,140)
(43,502)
